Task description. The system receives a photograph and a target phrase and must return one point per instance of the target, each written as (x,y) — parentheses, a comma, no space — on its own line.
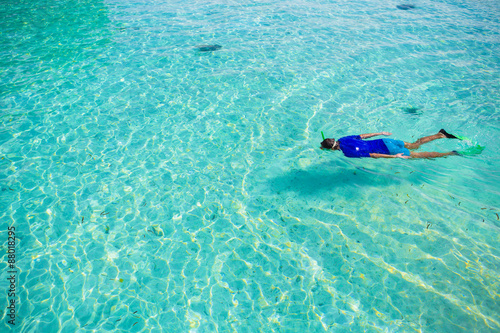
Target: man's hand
(400,155)
(370,135)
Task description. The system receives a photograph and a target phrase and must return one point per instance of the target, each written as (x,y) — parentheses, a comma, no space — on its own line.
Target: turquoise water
(156,188)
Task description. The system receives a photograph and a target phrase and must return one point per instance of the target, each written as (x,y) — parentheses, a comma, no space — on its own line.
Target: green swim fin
(452,136)
(476,150)
(463,138)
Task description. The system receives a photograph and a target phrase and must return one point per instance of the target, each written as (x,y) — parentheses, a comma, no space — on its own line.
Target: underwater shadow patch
(208,48)
(412,110)
(326,177)
(405,6)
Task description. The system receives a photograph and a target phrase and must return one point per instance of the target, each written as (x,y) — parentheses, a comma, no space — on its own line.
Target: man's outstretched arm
(369,135)
(400,155)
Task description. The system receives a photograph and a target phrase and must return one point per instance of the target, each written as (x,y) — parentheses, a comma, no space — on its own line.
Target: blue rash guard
(354,146)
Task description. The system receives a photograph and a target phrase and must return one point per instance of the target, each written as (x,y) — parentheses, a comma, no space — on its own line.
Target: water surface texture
(158,188)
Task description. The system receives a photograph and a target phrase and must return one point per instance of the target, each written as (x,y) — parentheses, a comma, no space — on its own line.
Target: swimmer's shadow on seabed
(328,176)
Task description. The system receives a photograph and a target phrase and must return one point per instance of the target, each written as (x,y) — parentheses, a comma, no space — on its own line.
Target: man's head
(329,144)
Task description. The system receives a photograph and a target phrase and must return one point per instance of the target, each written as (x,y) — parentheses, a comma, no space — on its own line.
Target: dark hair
(328,143)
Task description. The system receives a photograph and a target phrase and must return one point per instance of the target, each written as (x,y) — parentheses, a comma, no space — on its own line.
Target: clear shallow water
(157,188)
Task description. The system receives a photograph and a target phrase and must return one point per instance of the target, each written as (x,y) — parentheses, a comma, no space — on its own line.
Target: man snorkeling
(357,146)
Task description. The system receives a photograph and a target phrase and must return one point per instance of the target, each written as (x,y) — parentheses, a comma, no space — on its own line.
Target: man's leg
(421,141)
(431,154)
